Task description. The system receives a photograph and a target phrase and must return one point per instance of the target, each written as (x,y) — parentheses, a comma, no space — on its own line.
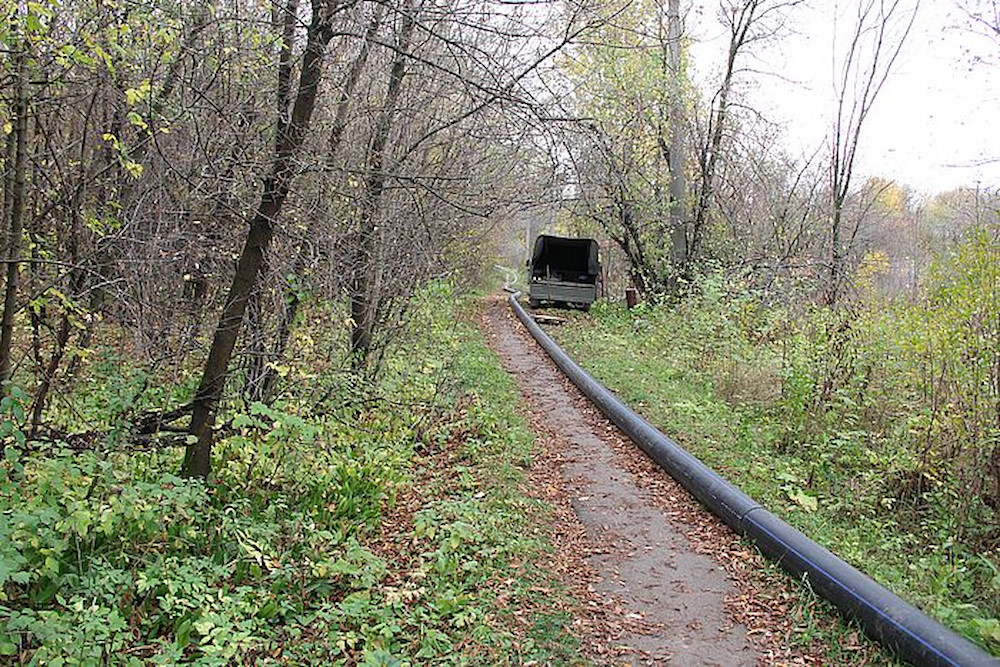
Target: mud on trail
(661,581)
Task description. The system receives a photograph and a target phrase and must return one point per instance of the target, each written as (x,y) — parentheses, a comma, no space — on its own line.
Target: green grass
(713,382)
(387,528)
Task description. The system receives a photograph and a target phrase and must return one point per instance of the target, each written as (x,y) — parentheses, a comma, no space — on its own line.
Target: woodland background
(235,234)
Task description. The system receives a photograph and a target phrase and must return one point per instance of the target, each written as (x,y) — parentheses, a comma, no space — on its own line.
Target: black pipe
(897,625)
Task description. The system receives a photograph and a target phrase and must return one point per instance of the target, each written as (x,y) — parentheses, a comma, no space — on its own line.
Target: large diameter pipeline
(885,617)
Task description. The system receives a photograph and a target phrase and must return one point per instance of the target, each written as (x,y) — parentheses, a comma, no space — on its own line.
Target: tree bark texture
(678,180)
(288,141)
(362,288)
(16,184)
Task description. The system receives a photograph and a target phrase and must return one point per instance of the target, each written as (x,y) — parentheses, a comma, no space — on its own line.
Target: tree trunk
(19,139)
(76,282)
(256,344)
(284,21)
(362,297)
(743,20)
(268,379)
(48,375)
(288,141)
(836,257)
(678,180)
(710,157)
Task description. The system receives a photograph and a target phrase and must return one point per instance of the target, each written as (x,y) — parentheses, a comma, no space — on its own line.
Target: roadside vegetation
(345,524)
(239,421)
(872,427)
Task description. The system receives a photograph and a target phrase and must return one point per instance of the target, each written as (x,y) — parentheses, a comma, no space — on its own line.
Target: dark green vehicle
(564,272)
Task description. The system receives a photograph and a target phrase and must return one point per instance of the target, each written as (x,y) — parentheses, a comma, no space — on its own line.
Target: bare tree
(14,189)
(438,159)
(746,22)
(677,153)
(772,206)
(291,133)
(984,16)
(262,381)
(878,34)
(371,197)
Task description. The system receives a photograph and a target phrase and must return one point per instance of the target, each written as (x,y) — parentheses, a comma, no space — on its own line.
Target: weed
(379,532)
(867,429)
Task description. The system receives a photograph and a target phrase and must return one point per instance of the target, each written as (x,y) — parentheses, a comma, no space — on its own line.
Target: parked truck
(564,272)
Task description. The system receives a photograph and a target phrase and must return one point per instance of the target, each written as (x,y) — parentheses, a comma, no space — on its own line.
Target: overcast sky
(938,115)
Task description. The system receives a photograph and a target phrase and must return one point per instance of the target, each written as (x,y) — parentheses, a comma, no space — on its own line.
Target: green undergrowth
(870,429)
(387,526)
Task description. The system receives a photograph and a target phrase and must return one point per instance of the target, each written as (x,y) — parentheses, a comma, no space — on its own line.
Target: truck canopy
(570,260)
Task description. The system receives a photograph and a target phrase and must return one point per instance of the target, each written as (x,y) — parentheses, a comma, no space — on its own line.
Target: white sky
(937,110)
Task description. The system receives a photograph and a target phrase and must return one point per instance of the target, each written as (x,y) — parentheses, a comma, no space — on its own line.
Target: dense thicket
(182,176)
(216,217)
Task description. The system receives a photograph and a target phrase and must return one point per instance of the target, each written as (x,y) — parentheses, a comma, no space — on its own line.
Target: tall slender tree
(289,137)
(878,33)
(15,187)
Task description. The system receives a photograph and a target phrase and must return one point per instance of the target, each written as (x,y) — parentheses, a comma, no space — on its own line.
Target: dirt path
(643,563)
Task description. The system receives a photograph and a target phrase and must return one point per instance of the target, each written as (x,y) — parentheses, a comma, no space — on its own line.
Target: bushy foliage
(300,549)
(873,426)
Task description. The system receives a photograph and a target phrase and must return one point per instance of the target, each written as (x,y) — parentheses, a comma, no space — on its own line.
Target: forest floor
(662,579)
